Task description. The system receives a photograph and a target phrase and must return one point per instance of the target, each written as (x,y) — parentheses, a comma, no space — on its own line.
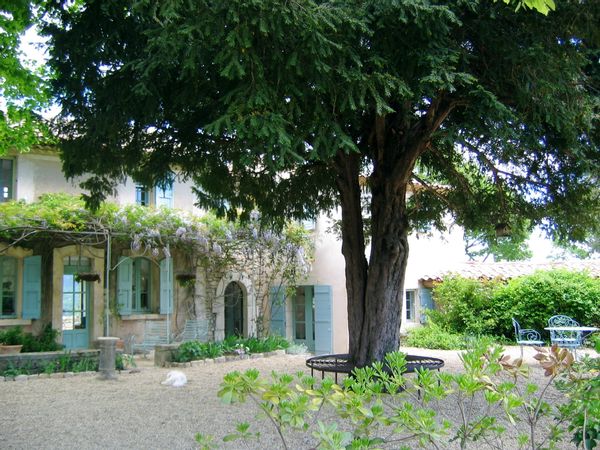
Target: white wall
(329,268)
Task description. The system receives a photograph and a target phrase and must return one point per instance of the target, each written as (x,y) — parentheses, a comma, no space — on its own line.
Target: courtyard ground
(136,412)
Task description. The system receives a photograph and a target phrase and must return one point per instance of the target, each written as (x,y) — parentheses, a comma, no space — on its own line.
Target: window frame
(15,287)
(136,281)
(8,185)
(410,301)
(163,192)
(142,195)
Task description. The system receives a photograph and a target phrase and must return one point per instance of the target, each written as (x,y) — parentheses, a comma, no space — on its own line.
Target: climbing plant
(270,258)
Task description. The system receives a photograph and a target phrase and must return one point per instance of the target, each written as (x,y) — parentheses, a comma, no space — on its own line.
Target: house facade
(46,285)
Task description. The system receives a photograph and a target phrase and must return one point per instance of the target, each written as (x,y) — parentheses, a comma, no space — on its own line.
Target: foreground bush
(492,404)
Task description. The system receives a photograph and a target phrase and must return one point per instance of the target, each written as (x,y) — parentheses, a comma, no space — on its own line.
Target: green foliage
(12,371)
(124,361)
(44,342)
(23,88)
(194,350)
(12,336)
(541,6)
(582,411)
(379,407)
(291,85)
(435,337)
(84,365)
(481,244)
(486,307)
(466,104)
(465,306)
(535,298)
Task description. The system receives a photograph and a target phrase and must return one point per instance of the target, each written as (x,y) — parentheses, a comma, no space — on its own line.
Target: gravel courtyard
(137,412)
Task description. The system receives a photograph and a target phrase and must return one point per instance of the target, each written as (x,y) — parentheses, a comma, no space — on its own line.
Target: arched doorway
(234,309)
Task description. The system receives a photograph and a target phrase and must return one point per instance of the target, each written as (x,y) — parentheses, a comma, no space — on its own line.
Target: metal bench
(155,332)
(194,330)
(341,363)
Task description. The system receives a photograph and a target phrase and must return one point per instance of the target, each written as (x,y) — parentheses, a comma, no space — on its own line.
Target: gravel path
(137,412)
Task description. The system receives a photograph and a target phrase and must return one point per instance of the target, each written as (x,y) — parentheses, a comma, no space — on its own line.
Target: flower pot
(10,349)
(87,276)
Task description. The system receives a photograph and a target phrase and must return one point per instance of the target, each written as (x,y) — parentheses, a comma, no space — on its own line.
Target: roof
(511,269)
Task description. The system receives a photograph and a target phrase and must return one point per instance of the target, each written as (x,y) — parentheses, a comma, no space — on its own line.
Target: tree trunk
(387,266)
(374,289)
(353,245)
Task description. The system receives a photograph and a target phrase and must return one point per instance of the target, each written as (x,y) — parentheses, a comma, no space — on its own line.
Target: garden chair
(570,339)
(526,336)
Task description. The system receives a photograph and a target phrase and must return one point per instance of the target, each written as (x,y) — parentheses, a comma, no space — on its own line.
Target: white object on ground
(175,378)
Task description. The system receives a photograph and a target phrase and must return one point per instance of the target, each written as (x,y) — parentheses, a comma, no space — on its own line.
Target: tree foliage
(23,89)
(292,107)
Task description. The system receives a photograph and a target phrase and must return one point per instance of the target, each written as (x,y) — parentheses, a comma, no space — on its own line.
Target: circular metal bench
(341,363)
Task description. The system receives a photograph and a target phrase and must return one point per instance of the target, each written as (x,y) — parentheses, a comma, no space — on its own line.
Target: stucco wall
(40,174)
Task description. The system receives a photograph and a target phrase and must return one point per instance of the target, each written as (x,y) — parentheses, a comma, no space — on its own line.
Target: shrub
(533,299)
(434,337)
(486,307)
(12,336)
(465,306)
(45,342)
(377,407)
(582,411)
(193,350)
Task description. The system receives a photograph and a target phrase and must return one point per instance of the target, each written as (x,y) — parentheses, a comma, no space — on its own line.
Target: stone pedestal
(163,354)
(108,353)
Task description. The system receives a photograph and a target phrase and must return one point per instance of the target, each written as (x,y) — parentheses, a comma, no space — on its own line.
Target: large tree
(293,107)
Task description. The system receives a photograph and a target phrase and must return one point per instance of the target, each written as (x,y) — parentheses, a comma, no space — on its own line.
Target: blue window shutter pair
(125,282)
(323,322)
(166,286)
(32,287)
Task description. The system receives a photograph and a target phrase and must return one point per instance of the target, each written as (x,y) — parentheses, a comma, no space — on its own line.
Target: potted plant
(87,276)
(11,340)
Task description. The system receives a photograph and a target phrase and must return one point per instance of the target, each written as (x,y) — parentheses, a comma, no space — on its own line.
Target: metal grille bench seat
(194,330)
(155,332)
(341,363)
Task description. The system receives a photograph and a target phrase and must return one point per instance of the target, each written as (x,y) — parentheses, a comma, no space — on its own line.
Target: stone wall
(38,361)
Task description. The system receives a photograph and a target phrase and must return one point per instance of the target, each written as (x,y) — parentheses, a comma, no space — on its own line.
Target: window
(410,305)
(138,289)
(164,194)
(141,285)
(6,180)
(142,195)
(8,278)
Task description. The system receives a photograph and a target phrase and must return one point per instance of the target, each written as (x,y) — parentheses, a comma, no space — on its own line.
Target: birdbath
(108,352)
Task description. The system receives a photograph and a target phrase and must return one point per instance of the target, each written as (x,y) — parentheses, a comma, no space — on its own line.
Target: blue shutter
(277,299)
(323,320)
(32,287)
(426,303)
(166,286)
(124,285)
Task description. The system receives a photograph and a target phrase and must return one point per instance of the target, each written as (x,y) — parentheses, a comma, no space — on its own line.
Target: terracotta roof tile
(511,269)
